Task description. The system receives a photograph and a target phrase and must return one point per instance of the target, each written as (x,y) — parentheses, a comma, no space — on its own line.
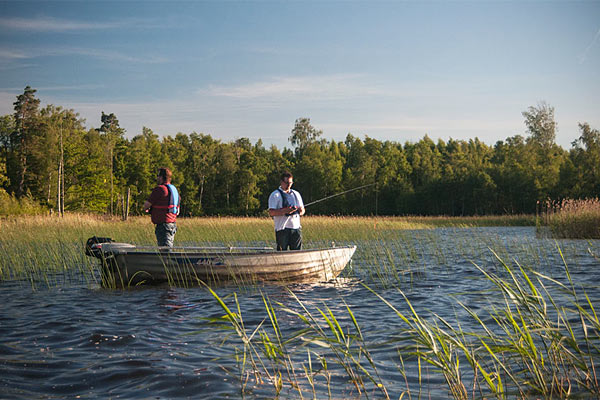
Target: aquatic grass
(431,344)
(544,344)
(266,352)
(388,254)
(257,346)
(530,344)
(349,348)
(36,247)
(571,218)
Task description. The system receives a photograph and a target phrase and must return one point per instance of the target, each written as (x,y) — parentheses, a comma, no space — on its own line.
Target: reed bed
(572,218)
(35,247)
(236,229)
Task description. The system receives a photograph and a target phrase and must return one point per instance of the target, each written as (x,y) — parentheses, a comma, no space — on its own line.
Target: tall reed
(267,356)
(572,218)
(44,248)
(531,342)
(537,337)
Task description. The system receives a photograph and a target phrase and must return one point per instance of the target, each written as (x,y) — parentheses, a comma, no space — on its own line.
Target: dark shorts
(289,238)
(165,233)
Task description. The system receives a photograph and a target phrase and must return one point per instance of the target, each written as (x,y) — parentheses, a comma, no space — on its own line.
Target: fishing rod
(338,194)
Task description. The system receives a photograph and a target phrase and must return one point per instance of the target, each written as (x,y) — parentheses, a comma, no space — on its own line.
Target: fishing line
(338,194)
(329,197)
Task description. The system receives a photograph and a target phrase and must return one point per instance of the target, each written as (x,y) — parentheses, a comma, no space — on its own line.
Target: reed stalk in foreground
(572,218)
(537,338)
(530,345)
(273,358)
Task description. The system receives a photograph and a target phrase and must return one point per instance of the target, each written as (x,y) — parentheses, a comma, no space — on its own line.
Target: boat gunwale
(167,252)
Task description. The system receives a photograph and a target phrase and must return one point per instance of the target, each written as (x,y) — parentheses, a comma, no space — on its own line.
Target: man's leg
(170,229)
(283,239)
(159,231)
(295,239)
(165,234)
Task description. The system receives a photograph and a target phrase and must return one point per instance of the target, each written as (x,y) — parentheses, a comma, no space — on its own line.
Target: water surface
(74,339)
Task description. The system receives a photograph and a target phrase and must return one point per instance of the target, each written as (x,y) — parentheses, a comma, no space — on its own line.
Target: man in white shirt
(286,207)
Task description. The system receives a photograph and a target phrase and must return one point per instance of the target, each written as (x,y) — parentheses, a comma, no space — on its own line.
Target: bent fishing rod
(338,194)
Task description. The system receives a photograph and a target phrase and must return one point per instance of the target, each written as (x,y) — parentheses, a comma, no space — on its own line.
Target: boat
(125,264)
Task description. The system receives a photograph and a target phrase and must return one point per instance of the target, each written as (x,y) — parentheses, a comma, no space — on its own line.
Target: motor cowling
(94,244)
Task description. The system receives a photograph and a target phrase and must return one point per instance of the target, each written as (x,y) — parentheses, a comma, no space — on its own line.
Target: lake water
(77,340)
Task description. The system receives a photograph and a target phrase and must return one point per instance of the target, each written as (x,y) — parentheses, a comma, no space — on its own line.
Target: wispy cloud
(8,54)
(109,55)
(325,87)
(583,57)
(50,24)
(102,54)
(56,88)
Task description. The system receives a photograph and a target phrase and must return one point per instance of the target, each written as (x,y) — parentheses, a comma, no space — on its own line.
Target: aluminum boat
(125,264)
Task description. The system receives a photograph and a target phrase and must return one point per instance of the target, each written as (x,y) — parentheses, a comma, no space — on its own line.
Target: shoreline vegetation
(571,218)
(50,157)
(46,250)
(138,229)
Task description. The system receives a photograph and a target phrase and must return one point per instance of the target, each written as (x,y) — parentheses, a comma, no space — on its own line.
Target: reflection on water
(81,340)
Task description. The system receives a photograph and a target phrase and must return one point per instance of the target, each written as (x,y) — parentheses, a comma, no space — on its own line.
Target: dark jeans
(291,238)
(165,233)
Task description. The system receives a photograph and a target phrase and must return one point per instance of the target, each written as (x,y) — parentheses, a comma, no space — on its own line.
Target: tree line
(48,156)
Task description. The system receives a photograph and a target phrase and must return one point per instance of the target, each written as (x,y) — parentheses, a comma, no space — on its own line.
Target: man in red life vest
(163,205)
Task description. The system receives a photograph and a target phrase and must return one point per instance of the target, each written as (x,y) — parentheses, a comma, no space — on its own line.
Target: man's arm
(146,206)
(281,211)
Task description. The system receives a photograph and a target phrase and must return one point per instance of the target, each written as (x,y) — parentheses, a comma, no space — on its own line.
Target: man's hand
(291,210)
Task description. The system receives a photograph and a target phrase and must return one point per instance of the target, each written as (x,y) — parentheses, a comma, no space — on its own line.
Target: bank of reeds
(75,226)
(572,218)
(33,247)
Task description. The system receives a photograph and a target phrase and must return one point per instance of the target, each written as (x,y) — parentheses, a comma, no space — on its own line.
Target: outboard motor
(92,247)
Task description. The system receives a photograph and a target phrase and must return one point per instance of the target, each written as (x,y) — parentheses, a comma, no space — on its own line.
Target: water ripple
(159,342)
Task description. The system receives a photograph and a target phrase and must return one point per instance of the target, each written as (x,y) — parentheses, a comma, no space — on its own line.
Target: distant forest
(48,157)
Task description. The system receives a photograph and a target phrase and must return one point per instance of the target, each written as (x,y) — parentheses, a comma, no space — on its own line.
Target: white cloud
(325,87)
(8,54)
(110,55)
(49,24)
(102,54)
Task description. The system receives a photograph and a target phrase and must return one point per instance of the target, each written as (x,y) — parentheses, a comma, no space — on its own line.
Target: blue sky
(389,70)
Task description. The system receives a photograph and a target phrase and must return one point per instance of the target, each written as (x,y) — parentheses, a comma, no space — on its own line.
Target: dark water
(76,340)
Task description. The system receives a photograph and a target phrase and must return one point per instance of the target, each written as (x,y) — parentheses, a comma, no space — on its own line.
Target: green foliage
(20,160)
(50,156)
(303,134)
(582,175)
(7,126)
(11,206)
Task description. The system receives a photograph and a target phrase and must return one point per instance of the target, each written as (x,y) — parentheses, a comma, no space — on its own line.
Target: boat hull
(124,265)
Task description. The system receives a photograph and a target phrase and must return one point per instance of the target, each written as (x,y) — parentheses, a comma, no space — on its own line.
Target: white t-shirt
(285,221)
